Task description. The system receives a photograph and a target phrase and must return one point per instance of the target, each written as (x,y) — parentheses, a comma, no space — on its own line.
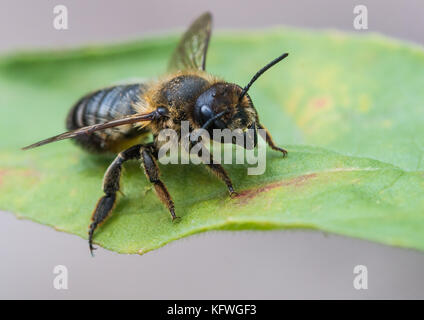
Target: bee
(116,119)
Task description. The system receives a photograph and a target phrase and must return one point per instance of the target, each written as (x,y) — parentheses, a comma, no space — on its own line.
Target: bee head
(228,106)
(220,107)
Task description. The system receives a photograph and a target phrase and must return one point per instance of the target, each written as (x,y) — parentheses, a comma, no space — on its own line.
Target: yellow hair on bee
(148,101)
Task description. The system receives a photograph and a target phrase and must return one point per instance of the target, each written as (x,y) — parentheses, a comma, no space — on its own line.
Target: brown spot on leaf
(2,174)
(245,195)
(24,173)
(320,103)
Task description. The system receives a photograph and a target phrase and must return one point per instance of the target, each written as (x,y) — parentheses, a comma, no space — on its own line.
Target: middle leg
(219,171)
(152,172)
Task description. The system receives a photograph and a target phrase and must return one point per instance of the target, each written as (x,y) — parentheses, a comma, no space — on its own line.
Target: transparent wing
(190,53)
(96,127)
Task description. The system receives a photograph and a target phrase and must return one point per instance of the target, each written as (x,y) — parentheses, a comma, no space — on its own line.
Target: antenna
(209,122)
(260,72)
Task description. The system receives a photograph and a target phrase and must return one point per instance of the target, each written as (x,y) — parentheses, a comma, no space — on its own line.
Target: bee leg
(220,172)
(270,142)
(111,185)
(152,172)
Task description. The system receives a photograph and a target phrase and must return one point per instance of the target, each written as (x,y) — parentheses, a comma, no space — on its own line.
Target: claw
(122,194)
(90,238)
(284,151)
(173,215)
(92,249)
(176,219)
(233,194)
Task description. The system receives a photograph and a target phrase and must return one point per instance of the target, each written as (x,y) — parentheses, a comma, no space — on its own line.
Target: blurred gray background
(238,265)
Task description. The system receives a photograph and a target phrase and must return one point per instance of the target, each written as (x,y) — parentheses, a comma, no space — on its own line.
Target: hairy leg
(270,142)
(219,171)
(152,172)
(111,185)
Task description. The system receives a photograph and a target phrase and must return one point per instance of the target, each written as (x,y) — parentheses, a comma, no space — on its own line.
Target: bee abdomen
(102,106)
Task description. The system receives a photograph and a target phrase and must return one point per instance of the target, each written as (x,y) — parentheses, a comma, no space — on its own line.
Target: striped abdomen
(102,106)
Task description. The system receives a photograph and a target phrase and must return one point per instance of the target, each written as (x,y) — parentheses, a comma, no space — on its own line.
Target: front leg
(270,142)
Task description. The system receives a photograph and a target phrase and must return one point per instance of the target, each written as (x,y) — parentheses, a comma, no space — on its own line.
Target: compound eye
(206,113)
(162,111)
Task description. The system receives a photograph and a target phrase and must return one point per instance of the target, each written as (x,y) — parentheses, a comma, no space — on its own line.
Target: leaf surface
(349,110)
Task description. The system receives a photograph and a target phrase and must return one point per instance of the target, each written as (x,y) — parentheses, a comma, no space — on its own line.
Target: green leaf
(349,109)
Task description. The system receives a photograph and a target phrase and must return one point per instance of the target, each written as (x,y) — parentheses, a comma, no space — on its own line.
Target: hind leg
(111,185)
